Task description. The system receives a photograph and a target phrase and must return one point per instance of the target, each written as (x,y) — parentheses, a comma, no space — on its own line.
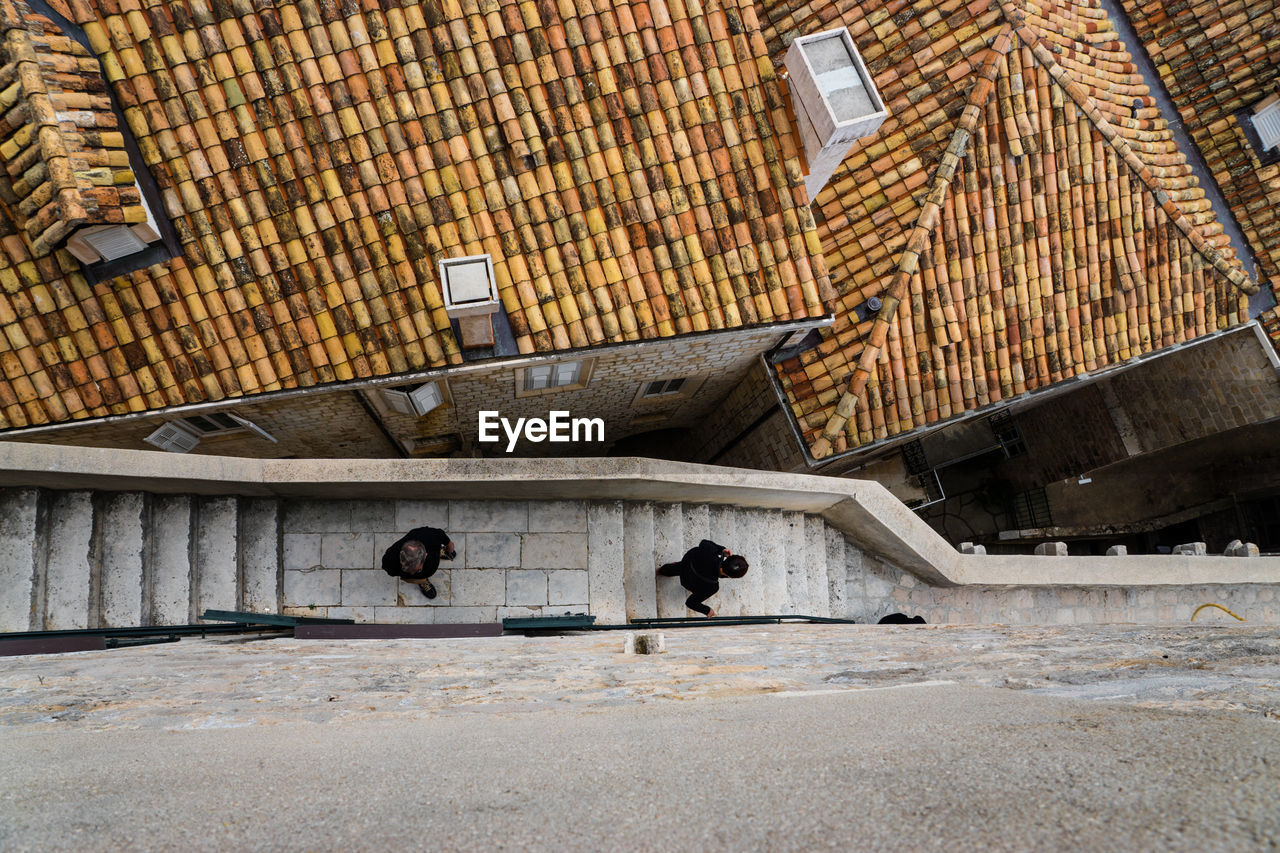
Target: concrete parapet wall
(524,528)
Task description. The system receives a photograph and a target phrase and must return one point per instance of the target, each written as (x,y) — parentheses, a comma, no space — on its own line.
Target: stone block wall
(324,424)
(875,589)
(718,361)
(1063,437)
(738,433)
(514,558)
(1209,388)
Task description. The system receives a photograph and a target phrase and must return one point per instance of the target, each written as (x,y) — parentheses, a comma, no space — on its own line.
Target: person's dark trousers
(670,570)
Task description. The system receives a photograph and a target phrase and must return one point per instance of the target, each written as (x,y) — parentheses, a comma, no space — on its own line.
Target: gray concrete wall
(551,535)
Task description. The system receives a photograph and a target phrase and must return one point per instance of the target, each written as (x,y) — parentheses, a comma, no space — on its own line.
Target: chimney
(471,298)
(835,101)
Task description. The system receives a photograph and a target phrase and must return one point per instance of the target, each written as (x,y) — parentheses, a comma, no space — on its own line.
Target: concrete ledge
(1134,570)
(864,511)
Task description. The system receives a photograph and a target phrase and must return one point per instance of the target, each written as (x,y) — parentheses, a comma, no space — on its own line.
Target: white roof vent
(835,100)
(469,286)
(471,298)
(174,438)
(1266,121)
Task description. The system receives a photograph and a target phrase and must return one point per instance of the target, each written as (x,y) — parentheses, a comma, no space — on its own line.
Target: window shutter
(425,398)
(398,401)
(252,427)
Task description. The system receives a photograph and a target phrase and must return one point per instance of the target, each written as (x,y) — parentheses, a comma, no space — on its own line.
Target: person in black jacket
(416,556)
(700,571)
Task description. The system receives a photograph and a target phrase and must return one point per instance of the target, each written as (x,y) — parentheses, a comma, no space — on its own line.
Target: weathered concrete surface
(18,518)
(774,738)
(235,682)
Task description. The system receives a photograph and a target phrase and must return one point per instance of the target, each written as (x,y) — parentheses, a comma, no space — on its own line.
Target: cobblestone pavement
(222,683)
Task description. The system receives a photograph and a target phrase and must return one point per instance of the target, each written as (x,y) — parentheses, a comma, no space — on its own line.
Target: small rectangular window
(420,401)
(545,377)
(663,387)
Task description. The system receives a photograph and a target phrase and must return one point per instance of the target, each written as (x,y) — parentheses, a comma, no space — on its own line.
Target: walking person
(416,556)
(700,571)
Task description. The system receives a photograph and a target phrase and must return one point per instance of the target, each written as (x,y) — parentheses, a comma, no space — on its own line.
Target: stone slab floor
(777,737)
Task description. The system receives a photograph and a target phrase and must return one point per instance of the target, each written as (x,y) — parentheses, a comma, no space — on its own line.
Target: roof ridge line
(1112,137)
(909,261)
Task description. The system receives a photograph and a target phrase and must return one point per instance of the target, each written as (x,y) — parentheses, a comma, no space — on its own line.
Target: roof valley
(1127,333)
(909,261)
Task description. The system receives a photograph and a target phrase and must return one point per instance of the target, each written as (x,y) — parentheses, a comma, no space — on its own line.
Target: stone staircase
(92,559)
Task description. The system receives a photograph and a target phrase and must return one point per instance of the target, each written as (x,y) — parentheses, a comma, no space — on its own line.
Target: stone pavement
(201,684)
(791,737)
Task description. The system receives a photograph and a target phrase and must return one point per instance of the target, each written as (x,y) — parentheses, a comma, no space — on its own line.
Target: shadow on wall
(669,444)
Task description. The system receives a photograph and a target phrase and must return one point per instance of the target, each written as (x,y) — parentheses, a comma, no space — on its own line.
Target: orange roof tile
(1217,59)
(1024,215)
(625,165)
(65,166)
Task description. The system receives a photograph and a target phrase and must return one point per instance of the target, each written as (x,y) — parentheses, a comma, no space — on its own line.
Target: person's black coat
(433,538)
(700,573)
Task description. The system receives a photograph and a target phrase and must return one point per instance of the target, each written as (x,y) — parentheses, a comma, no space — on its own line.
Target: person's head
(412,555)
(734,567)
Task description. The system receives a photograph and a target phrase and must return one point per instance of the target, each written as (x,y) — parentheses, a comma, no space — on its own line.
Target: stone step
(668,547)
(606,593)
(638,561)
(169,568)
(724,530)
(855,588)
(775,532)
(122,537)
(815,549)
(837,572)
(216,560)
(797,566)
(750,542)
(67,572)
(258,549)
(20,542)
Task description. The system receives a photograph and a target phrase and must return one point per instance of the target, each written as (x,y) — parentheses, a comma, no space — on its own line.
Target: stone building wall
(715,362)
(1064,437)
(360,424)
(323,424)
(748,429)
(1213,387)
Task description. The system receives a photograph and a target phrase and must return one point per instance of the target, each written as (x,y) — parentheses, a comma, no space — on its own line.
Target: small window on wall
(548,378)
(184,434)
(418,402)
(667,389)
(664,387)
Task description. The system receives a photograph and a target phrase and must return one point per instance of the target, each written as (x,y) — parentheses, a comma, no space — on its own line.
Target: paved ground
(787,737)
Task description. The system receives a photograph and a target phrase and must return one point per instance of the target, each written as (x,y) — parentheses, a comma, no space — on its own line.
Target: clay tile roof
(1024,215)
(1217,59)
(627,165)
(65,167)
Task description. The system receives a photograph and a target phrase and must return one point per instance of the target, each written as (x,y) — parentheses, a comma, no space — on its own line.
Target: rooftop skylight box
(835,100)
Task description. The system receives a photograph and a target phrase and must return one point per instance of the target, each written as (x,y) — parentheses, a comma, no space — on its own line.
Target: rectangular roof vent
(835,100)
(1266,121)
(469,286)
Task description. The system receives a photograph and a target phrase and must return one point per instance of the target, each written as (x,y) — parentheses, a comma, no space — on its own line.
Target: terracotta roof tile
(623,164)
(1216,60)
(1024,220)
